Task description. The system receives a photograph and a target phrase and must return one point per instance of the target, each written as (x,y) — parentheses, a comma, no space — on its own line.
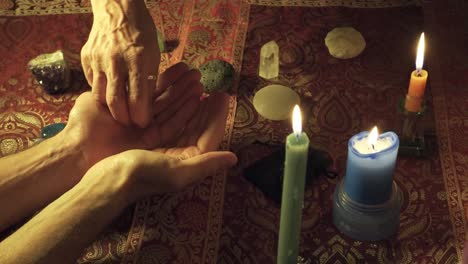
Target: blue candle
(295,167)
(370,167)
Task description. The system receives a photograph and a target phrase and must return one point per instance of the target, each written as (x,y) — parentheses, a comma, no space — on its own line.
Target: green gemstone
(52,130)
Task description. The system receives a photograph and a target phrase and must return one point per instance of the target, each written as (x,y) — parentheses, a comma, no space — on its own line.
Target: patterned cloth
(226,219)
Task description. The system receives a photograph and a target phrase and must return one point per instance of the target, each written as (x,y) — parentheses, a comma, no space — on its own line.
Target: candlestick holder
(366,222)
(411,131)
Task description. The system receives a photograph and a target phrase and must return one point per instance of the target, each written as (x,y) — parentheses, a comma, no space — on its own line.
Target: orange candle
(417,84)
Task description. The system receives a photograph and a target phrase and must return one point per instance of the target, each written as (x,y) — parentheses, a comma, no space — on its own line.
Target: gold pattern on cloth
(146,231)
(223,219)
(336,107)
(345,3)
(49,7)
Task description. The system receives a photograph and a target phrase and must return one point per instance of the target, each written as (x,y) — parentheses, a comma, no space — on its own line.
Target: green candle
(295,166)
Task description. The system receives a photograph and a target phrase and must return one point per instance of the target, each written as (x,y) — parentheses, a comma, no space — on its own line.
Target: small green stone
(217,76)
(52,130)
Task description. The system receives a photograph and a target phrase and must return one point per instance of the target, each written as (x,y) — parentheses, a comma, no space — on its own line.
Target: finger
(89,76)
(87,70)
(163,134)
(193,90)
(99,86)
(215,123)
(88,73)
(197,168)
(181,86)
(116,95)
(175,126)
(170,76)
(193,129)
(139,95)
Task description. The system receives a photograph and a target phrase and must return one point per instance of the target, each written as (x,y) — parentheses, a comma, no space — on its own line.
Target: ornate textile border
(322,3)
(237,55)
(48,7)
(137,230)
(441,87)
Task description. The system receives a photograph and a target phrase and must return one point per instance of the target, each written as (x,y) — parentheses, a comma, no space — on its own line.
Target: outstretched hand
(183,125)
(176,150)
(145,172)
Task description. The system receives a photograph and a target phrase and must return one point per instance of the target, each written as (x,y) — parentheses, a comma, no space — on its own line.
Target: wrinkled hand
(183,126)
(121,52)
(100,135)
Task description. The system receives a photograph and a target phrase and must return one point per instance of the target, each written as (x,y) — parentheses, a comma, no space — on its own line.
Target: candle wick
(373,147)
(418,72)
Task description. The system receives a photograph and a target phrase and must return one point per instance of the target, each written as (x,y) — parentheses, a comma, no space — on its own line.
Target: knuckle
(135,97)
(114,79)
(97,96)
(112,100)
(84,51)
(95,54)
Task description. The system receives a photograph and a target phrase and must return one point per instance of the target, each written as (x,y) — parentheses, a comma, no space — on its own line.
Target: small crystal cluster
(51,71)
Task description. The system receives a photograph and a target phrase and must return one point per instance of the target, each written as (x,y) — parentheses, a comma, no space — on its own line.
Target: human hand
(139,173)
(205,129)
(99,135)
(121,53)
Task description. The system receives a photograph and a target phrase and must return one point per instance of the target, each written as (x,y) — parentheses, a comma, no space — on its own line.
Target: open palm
(202,133)
(183,125)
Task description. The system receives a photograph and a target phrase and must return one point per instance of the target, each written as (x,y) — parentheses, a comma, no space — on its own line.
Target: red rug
(343,97)
(340,98)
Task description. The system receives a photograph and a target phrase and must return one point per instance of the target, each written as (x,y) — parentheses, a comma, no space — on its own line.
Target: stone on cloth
(59,72)
(51,71)
(269,60)
(345,42)
(217,76)
(52,130)
(275,102)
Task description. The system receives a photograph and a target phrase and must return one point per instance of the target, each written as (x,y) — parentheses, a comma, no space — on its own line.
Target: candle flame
(372,138)
(297,120)
(420,53)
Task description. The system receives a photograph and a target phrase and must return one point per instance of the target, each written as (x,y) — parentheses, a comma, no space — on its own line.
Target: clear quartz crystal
(269,60)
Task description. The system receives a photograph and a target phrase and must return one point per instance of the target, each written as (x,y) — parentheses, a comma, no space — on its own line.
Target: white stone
(269,60)
(345,42)
(275,102)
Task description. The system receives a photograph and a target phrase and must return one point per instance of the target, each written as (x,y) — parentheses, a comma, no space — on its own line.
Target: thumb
(201,166)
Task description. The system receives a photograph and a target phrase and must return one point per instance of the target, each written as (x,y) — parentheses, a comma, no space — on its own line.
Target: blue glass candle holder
(366,203)
(366,222)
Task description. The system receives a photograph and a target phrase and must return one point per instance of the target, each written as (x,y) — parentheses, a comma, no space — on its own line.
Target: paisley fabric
(340,98)
(226,219)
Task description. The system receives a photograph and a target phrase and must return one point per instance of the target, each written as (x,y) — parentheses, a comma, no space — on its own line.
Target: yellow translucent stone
(275,102)
(269,60)
(345,42)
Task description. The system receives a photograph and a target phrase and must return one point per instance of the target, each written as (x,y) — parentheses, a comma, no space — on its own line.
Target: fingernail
(204,96)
